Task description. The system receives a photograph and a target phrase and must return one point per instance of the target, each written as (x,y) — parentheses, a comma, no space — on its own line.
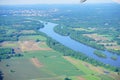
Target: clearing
(31,45)
(36,62)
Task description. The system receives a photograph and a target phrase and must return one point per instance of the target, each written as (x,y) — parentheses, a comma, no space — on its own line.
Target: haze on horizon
(26,2)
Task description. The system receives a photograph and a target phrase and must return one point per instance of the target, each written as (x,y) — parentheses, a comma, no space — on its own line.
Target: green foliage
(1,75)
(6,53)
(62,30)
(100,54)
(114,51)
(87,41)
(77,35)
(67,78)
(114,57)
(7,24)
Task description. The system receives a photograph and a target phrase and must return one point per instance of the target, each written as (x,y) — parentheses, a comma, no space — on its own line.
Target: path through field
(36,62)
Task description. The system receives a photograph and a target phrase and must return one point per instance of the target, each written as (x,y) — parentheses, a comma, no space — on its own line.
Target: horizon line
(56,4)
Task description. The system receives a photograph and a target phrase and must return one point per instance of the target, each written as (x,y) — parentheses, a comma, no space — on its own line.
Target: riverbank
(76,46)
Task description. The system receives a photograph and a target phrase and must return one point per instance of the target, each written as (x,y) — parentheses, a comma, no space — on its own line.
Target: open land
(43,63)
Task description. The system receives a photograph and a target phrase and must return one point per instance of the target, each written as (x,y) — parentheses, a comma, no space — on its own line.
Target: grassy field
(31,37)
(46,64)
(91,72)
(28,32)
(54,67)
(10,44)
(85,29)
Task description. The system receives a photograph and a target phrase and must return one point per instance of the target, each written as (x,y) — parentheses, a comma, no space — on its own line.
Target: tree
(67,78)
(1,75)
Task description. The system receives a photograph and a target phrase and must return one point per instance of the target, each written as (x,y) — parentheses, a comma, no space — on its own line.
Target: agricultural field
(27,32)
(42,63)
(104,40)
(91,72)
(38,65)
(32,37)
(26,53)
(85,29)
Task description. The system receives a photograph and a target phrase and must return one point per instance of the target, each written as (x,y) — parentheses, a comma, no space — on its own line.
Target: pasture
(91,72)
(32,37)
(42,63)
(105,40)
(38,65)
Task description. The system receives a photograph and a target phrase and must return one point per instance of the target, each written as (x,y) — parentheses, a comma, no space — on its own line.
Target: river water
(67,41)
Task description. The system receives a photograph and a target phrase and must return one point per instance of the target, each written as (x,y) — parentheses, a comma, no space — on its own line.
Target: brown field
(91,67)
(85,64)
(108,43)
(36,62)
(80,78)
(96,37)
(104,41)
(30,46)
(9,44)
(86,67)
(116,47)
(89,29)
(114,75)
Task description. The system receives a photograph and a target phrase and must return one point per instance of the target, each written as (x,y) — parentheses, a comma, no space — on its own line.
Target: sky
(17,2)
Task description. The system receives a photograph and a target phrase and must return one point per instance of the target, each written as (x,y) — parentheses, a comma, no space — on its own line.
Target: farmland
(91,72)
(47,64)
(29,54)
(51,65)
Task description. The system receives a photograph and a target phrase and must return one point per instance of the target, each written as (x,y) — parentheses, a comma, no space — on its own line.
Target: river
(67,41)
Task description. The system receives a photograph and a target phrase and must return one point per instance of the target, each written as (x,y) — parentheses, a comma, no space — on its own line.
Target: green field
(54,67)
(32,37)
(91,72)
(54,62)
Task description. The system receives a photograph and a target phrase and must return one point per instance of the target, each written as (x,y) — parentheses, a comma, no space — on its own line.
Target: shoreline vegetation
(78,36)
(100,54)
(114,57)
(78,55)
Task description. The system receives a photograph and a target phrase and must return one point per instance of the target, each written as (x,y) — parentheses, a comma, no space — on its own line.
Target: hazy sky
(15,2)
